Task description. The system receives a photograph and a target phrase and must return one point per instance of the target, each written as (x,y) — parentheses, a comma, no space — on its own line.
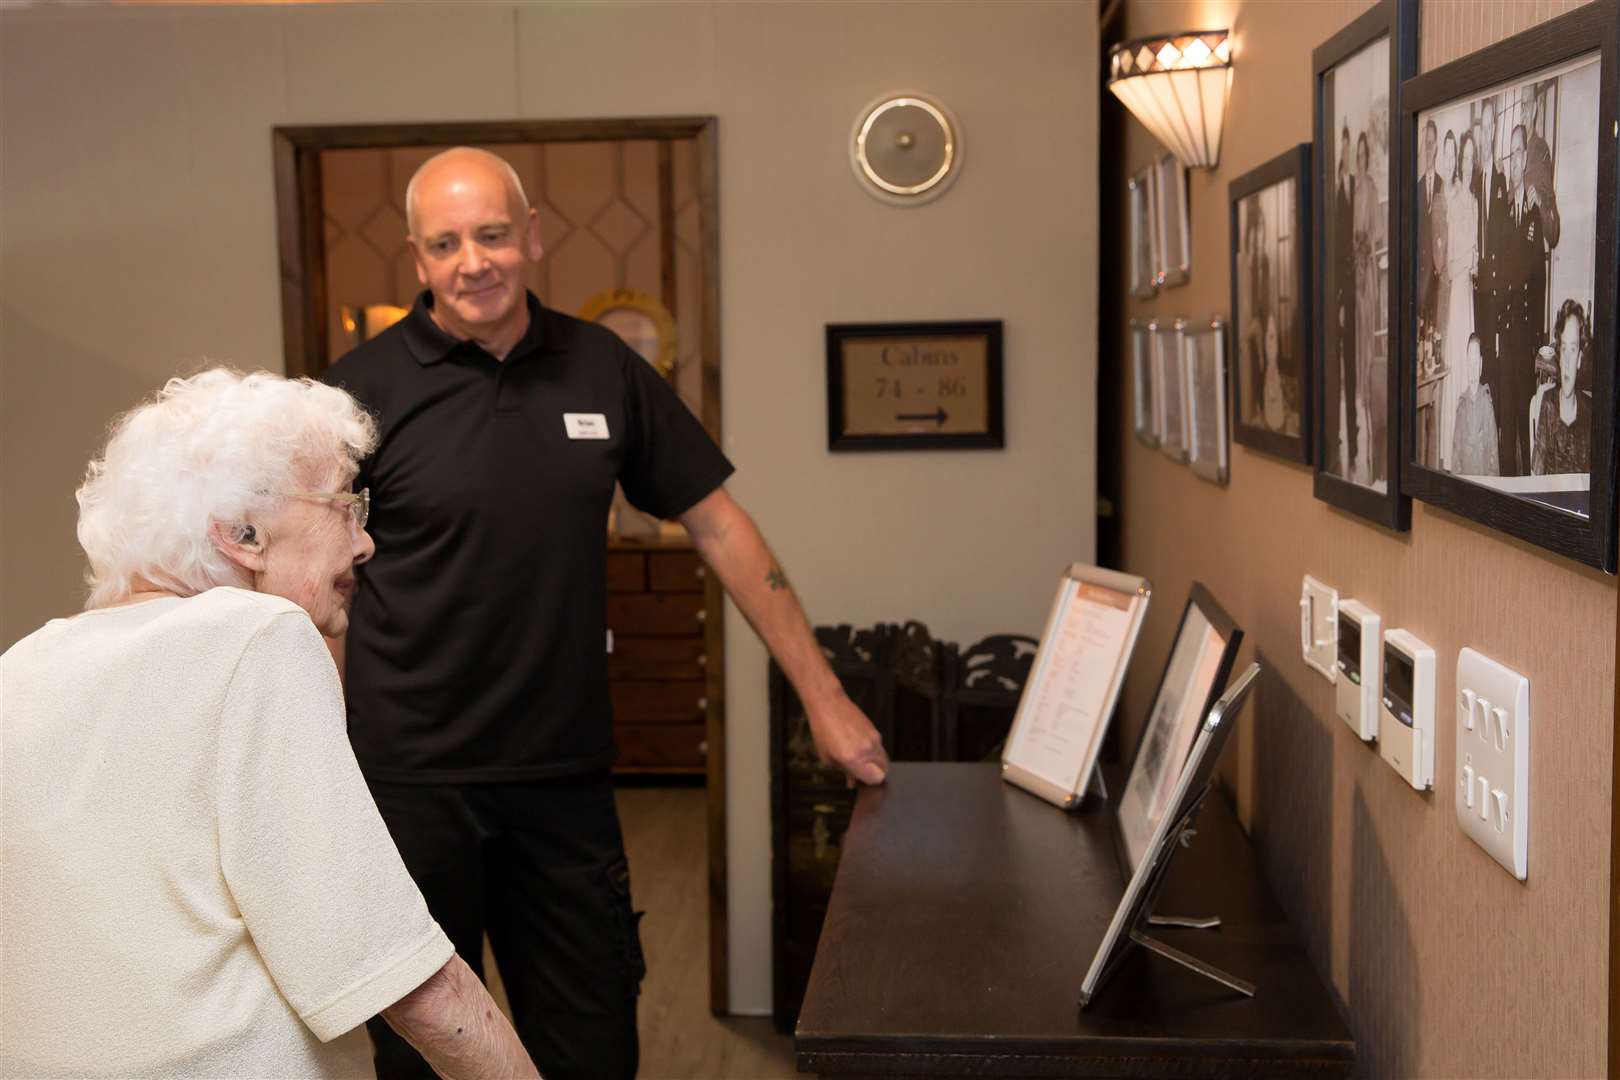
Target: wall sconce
(1177,86)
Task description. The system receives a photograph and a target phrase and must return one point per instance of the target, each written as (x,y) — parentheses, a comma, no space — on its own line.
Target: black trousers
(541,868)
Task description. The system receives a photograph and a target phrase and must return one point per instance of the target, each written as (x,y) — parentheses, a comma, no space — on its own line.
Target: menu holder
(1076,678)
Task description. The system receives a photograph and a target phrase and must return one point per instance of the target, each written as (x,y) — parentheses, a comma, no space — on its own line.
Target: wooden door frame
(301,252)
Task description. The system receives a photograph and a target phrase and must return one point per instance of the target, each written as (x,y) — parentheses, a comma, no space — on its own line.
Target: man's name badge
(585,425)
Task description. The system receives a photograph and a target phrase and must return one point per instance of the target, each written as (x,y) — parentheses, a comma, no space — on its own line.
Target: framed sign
(1078,671)
(1169,386)
(1204,375)
(914,386)
(1144,402)
(1507,354)
(1144,237)
(1172,234)
(1356,213)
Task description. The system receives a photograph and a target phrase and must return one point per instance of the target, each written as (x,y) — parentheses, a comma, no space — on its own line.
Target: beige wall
(1380,880)
(138,233)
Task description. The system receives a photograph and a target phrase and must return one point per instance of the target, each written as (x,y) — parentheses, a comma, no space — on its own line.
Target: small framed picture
(1270,220)
(914,386)
(1144,245)
(1203,351)
(1201,657)
(1355,209)
(1511,225)
(1174,246)
(1143,400)
(1169,391)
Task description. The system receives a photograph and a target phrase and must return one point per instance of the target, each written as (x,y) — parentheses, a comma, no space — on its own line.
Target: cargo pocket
(627,922)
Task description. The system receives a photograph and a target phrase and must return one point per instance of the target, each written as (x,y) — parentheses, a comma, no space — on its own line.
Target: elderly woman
(1563,432)
(196,881)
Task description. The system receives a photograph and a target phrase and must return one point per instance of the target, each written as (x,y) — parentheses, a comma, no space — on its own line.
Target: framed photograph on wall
(1508,342)
(1169,392)
(1270,220)
(1174,245)
(1144,243)
(1355,211)
(1203,357)
(1143,400)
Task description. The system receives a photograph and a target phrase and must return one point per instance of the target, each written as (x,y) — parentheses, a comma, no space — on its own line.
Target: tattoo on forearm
(776,579)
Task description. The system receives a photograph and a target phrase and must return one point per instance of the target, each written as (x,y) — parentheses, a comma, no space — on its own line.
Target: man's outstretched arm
(731,544)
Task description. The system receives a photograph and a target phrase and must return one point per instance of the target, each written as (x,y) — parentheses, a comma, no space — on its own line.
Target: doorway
(628,213)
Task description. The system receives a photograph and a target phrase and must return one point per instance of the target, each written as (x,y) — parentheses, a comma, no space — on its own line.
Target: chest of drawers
(659,669)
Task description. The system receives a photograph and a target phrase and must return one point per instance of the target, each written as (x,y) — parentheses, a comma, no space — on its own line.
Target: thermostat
(1361,668)
(1406,720)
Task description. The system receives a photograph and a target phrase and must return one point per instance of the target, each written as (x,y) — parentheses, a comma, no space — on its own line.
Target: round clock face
(641,322)
(637,328)
(906,148)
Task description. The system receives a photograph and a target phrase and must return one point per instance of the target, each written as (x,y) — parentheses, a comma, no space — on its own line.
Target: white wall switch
(1361,668)
(1319,627)
(1493,759)
(1406,715)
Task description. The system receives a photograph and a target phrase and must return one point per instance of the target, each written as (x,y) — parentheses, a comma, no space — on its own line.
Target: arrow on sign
(939,415)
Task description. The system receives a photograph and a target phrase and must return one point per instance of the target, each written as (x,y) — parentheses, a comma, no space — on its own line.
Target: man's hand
(846,738)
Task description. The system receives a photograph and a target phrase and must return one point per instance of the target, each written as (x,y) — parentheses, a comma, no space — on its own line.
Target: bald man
(476,666)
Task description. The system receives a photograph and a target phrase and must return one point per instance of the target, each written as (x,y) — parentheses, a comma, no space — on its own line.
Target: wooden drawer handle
(701,572)
(703,747)
(702,704)
(703,660)
(702,616)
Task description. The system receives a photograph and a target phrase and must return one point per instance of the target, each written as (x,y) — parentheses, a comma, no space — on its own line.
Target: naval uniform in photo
(477,675)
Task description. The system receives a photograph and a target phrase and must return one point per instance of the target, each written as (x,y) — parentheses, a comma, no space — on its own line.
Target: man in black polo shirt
(476,652)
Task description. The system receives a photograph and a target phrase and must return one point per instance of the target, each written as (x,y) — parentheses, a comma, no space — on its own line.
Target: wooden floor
(680,1040)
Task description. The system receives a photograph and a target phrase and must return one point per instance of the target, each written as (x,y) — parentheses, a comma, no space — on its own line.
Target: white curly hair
(217,446)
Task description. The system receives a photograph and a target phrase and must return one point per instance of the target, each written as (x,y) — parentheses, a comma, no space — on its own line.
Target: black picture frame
(1295,165)
(1398,21)
(1593,28)
(990,436)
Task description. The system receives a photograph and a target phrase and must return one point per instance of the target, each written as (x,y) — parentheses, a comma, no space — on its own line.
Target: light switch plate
(1319,627)
(1493,759)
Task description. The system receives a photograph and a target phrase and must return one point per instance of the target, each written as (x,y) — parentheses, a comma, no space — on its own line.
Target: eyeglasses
(359,501)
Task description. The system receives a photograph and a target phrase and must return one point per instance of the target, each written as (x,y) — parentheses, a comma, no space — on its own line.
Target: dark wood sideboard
(966,912)
(658,672)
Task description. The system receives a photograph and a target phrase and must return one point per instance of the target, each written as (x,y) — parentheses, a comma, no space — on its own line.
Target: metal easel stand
(1191,963)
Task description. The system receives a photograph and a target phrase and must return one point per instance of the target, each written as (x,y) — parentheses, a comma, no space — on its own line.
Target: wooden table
(966,912)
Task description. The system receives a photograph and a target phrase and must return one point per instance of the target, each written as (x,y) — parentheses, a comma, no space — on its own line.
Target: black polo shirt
(477,640)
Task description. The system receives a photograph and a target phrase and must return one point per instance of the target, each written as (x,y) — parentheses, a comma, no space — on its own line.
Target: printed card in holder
(1074,683)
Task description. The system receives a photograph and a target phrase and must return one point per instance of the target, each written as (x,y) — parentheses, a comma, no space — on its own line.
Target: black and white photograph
(1270,225)
(1204,364)
(1356,276)
(1512,233)
(1172,242)
(1142,400)
(1170,388)
(1506,216)
(1144,260)
(1356,259)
